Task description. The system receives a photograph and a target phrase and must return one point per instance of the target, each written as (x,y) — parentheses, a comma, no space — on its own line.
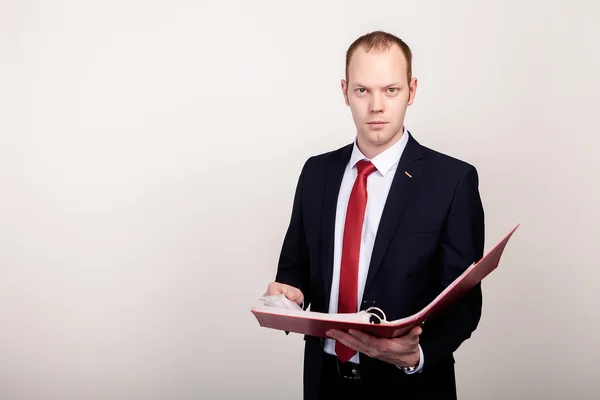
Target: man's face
(378,94)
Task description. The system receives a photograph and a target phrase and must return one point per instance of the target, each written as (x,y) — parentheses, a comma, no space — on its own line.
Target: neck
(371,150)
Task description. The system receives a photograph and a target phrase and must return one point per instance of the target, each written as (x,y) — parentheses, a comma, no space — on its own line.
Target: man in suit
(382,222)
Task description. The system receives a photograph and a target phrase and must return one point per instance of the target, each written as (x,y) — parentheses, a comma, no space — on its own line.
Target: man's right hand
(290,292)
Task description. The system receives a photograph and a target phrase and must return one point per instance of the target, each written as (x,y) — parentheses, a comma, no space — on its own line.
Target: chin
(379,138)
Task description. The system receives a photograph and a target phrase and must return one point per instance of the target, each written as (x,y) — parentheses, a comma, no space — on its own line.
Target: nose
(376,103)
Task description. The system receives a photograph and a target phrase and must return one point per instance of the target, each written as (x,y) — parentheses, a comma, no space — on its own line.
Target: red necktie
(348,297)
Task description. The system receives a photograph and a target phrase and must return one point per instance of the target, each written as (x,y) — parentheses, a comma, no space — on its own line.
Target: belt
(347,370)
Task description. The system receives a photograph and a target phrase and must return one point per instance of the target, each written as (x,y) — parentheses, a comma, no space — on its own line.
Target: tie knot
(365,167)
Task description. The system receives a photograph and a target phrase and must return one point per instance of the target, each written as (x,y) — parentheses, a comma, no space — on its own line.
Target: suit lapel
(411,162)
(335,173)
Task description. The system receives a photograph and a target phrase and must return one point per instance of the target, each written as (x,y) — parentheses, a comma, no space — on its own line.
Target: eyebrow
(357,84)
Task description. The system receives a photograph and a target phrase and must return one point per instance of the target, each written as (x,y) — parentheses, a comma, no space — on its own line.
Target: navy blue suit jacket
(431,230)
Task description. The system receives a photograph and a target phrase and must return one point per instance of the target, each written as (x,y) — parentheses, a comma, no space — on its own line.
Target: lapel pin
(407,174)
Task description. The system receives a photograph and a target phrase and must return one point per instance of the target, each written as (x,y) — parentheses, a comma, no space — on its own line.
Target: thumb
(295,295)
(290,294)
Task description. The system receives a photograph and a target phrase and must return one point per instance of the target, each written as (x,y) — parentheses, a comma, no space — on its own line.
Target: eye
(361,90)
(393,90)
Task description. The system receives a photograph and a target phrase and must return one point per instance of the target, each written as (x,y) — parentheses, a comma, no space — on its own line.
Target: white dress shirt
(378,187)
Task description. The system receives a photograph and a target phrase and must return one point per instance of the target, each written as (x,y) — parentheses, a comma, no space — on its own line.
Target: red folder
(316,323)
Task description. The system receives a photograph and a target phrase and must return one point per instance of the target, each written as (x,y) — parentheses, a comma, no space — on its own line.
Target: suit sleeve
(293,267)
(462,244)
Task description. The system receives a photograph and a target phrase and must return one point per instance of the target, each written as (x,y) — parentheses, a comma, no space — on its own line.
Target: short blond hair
(380,40)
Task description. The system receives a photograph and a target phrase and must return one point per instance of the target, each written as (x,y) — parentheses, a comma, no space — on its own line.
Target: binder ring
(381,318)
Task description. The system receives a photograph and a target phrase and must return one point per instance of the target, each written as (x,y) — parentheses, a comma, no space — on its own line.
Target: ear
(412,91)
(345,91)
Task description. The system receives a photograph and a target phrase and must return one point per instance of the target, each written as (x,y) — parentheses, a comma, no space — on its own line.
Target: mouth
(376,123)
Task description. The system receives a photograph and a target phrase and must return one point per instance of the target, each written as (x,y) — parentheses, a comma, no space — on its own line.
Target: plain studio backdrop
(149,152)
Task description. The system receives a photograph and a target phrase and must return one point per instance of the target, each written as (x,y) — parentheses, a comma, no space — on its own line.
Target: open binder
(373,320)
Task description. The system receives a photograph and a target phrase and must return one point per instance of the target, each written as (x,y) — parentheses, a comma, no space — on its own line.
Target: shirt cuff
(421,362)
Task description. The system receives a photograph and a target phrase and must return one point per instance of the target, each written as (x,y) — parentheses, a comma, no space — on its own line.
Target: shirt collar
(385,160)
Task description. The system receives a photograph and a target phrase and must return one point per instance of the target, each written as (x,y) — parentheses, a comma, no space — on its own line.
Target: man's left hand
(402,351)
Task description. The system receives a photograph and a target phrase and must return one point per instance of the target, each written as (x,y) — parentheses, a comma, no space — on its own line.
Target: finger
(348,340)
(367,339)
(414,332)
(409,339)
(273,288)
(294,294)
(378,347)
(413,335)
(353,342)
(417,330)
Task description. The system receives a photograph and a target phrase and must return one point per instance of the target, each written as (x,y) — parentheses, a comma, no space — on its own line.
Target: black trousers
(337,383)
(335,386)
